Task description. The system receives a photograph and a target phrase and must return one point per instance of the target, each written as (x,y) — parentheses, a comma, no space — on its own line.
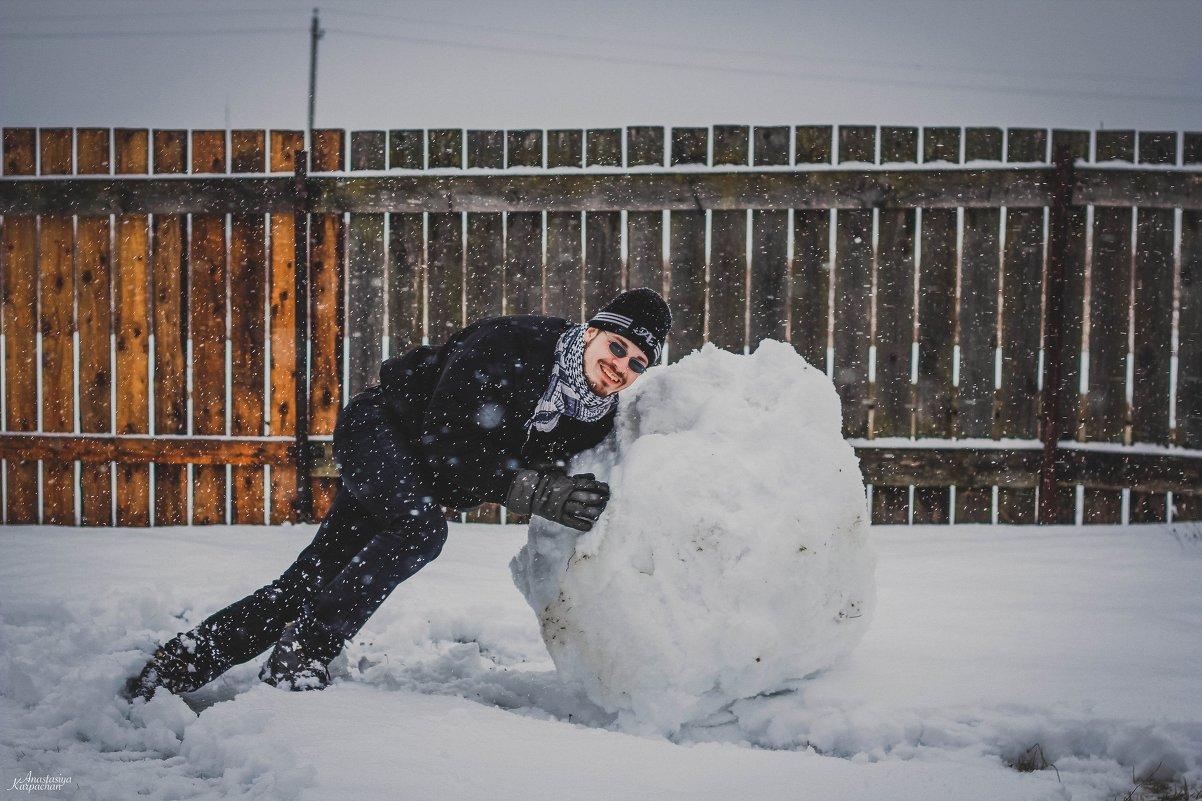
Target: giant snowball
(733,558)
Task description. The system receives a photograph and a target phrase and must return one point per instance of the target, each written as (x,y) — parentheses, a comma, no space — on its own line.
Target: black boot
(300,660)
(173,667)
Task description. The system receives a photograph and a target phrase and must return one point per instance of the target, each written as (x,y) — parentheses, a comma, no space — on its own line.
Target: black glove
(573,501)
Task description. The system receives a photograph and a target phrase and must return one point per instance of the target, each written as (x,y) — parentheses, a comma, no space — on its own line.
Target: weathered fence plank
(1152,306)
(486,149)
(768,307)
(645,250)
(565,148)
(524,263)
(444,148)
(686,281)
(406,252)
(365,296)
(169,323)
(1077,145)
(642,191)
(603,147)
(727,284)
(980,260)
(812,144)
(853,291)
(853,317)
(248,292)
(208,275)
(1107,404)
(524,149)
(768,271)
(602,259)
(368,150)
(56,320)
(810,283)
(982,144)
(281,401)
(406,150)
(644,146)
(899,145)
(732,145)
(20,287)
(93,269)
(934,391)
(563,287)
(365,299)
(142,448)
(444,275)
(690,146)
(770,145)
(484,260)
(857,143)
(1022,282)
(893,393)
(485,245)
(1189,352)
(326,305)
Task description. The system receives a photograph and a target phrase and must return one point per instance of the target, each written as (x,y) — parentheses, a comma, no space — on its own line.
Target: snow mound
(732,560)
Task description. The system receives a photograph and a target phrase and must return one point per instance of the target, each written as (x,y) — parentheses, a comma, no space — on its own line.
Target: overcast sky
(571,63)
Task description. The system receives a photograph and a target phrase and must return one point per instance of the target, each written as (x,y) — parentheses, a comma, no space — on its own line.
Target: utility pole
(315,33)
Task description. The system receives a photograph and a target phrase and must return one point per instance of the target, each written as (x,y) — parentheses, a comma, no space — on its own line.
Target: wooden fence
(162,291)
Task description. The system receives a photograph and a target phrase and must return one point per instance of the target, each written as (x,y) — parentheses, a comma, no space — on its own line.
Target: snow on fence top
(911,264)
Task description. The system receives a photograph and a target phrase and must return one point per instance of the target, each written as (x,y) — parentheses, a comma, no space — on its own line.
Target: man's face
(606,372)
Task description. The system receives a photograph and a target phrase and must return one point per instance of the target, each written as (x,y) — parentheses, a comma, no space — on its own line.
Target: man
(487,417)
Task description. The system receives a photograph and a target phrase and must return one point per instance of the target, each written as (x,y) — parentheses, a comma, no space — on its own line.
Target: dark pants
(382,527)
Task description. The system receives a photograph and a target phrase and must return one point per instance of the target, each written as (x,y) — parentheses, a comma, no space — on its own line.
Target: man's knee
(422,531)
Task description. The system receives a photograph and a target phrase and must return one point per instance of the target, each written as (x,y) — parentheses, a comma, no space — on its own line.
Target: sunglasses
(618,349)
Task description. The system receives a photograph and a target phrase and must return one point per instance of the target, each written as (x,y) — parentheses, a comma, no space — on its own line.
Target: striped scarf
(569,392)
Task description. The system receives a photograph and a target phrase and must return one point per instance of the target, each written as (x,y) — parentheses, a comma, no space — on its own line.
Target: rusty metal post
(1053,345)
(302,503)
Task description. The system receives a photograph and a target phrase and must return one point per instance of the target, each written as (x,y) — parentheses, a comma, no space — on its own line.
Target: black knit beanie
(640,315)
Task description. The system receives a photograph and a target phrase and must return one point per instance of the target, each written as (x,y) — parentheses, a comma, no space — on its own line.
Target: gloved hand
(573,501)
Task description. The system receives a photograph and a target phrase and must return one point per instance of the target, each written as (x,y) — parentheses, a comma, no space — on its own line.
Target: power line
(759,53)
(139,34)
(141,14)
(820,76)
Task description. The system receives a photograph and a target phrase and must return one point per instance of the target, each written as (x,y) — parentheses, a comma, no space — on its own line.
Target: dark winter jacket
(465,405)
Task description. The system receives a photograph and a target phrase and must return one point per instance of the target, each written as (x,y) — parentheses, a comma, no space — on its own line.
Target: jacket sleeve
(463,427)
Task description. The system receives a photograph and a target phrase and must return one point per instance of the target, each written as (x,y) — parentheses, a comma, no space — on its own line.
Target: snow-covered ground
(1078,647)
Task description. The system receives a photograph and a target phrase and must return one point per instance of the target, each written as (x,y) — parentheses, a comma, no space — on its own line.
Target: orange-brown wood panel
(18,250)
(92,151)
(169,281)
(248,286)
(140,448)
(325,315)
(282,402)
(20,147)
(56,321)
(93,300)
(207,314)
(132,151)
(56,148)
(131,291)
(132,330)
(206,324)
(19,254)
